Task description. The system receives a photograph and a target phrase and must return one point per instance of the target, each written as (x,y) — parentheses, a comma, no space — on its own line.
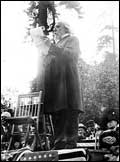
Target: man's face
(81,132)
(59,31)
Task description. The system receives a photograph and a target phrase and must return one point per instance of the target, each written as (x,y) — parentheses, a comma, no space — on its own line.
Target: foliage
(109,27)
(5,103)
(9,96)
(100,87)
(43,13)
(109,82)
(101,81)
(38,12)
(75,5)
(106,39)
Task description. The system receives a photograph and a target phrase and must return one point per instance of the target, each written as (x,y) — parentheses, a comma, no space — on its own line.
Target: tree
(108,74)
(108,85)
(38,12)
(105,41)
(43,13)
(9,98)
(100,84)
(73,5)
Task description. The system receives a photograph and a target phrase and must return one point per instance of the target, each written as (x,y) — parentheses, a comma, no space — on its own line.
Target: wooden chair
(30,119)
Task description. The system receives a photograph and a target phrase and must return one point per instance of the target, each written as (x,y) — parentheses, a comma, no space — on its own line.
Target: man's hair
(65,25)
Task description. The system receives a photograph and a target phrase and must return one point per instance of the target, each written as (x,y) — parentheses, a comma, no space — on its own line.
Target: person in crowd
(5,127)
(81,131)
(109,137)
(90,128)
(110,119)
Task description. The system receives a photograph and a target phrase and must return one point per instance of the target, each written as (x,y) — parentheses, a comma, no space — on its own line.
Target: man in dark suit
(62,87)
(62,95)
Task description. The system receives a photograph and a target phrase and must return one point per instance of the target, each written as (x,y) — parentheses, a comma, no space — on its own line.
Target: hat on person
(109,115)
(90,123)
(80,125)
(6,114)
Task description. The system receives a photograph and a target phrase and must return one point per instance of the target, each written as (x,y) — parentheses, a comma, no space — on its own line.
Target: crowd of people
(108,136)
(107,133)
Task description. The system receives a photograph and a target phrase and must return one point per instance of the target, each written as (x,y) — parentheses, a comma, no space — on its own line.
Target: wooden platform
(77,154)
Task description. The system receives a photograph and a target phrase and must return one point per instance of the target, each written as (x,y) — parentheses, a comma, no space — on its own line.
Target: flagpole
(113,36)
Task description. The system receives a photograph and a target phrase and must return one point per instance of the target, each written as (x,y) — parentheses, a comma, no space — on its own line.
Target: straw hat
(5,114)
(80,125)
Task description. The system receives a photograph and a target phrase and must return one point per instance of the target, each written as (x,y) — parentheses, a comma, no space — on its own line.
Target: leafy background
(99,82)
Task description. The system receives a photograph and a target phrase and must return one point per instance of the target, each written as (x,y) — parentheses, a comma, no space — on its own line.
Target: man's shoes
(70,145)
(59,145)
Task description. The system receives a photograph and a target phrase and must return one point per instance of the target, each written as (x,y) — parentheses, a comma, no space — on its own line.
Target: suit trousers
(65,124)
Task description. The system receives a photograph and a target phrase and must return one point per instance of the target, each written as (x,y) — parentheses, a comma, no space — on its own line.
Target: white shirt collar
(65,35)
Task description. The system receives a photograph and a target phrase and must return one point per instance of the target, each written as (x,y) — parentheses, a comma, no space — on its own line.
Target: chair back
(29,105)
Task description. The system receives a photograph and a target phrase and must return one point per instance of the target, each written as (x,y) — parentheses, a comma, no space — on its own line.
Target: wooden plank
(72,154)
(64,151)
(75,159)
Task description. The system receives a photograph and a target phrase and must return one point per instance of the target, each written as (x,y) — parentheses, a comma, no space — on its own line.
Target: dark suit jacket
(61,82)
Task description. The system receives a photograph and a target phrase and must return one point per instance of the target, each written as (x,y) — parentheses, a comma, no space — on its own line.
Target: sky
(96,15)
(18,60)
